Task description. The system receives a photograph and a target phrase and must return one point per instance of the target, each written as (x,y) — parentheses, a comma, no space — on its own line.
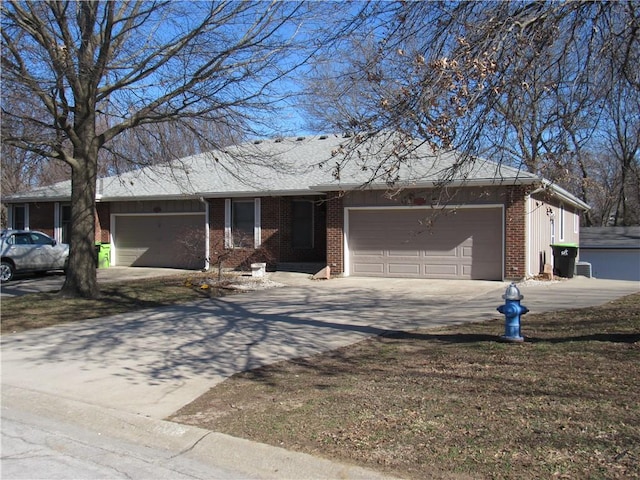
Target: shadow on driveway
(158,360)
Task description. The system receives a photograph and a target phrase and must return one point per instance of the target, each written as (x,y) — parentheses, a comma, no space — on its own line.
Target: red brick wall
(103,222)
(515,232)
(243,257)
(41,217)
(275,222)
(335,226)
(270,208)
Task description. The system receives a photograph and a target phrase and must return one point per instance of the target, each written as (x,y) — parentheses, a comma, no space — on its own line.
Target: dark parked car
(30,251)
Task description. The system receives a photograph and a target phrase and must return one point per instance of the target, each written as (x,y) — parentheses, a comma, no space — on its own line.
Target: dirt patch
(455,402)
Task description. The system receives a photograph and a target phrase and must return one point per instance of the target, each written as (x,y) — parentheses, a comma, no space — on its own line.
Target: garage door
(461,244)
(172,241)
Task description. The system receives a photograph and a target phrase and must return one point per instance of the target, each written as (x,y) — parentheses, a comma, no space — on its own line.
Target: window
(302,224)
(242,223)
(553,231)
(19,220)
(65,223)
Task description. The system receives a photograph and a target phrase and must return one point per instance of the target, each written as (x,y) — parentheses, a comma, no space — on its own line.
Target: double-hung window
(242,223)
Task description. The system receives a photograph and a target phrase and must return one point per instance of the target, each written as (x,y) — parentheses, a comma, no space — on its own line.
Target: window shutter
(228,239)
(257,230)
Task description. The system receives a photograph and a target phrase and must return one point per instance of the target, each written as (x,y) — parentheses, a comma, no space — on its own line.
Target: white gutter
(563,195)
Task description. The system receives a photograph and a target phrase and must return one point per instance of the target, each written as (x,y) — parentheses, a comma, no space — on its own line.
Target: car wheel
(6,271)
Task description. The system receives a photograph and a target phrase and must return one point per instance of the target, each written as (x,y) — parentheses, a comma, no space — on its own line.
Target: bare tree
(621,118)
(525,83)
(89,72)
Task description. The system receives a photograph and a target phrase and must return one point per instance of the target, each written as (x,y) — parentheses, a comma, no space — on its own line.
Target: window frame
(229,240)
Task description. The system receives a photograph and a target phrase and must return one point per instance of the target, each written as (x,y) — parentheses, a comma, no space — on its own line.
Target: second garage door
(465,243)
(171,241)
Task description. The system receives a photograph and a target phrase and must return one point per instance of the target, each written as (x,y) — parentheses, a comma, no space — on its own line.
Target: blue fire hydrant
(512,311)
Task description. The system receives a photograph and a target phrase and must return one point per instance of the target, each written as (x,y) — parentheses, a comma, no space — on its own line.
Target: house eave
(475,182)
(261,193)
(34,199)
(565,196)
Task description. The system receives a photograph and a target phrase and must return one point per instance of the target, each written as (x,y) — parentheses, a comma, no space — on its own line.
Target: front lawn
(38,310)
(454,402)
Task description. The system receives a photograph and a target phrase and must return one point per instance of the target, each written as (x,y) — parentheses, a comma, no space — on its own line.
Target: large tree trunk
(81,278)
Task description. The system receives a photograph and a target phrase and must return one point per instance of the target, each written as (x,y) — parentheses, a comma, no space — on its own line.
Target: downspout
(207,264)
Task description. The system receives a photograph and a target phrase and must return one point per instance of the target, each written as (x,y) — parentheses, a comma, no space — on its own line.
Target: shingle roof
(288,166)
(610,237)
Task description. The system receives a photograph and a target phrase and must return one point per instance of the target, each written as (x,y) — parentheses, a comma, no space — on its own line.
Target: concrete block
(324,274)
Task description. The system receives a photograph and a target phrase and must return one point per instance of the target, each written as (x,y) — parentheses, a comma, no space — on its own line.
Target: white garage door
(462,244)
(172,241)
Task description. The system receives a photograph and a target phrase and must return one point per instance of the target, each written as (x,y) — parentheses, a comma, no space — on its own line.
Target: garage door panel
(371,252)
(172,241)
(467,244)
(434,253)
(445,270)
(374,268)
(404,269)
(404,253)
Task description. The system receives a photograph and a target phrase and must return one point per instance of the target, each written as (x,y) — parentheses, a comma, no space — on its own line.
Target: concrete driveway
(153,362)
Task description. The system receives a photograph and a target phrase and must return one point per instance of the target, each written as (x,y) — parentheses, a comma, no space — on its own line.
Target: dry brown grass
(45,309)
(455,403)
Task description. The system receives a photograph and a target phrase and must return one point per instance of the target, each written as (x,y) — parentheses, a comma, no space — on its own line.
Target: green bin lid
(574,245)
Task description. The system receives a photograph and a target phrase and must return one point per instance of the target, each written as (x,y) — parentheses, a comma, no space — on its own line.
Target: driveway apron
(155,361)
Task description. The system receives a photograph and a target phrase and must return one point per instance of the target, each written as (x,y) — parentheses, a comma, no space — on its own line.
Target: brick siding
(515,232)
(103,223)
(335,228)
(41,217)
(275,224)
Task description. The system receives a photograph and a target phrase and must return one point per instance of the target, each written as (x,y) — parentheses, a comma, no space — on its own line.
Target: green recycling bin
(104,255)
(564,259)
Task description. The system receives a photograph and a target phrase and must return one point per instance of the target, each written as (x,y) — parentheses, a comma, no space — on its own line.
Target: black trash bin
(564,259)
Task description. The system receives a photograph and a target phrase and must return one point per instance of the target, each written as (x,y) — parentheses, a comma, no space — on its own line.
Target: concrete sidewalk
(146,365)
